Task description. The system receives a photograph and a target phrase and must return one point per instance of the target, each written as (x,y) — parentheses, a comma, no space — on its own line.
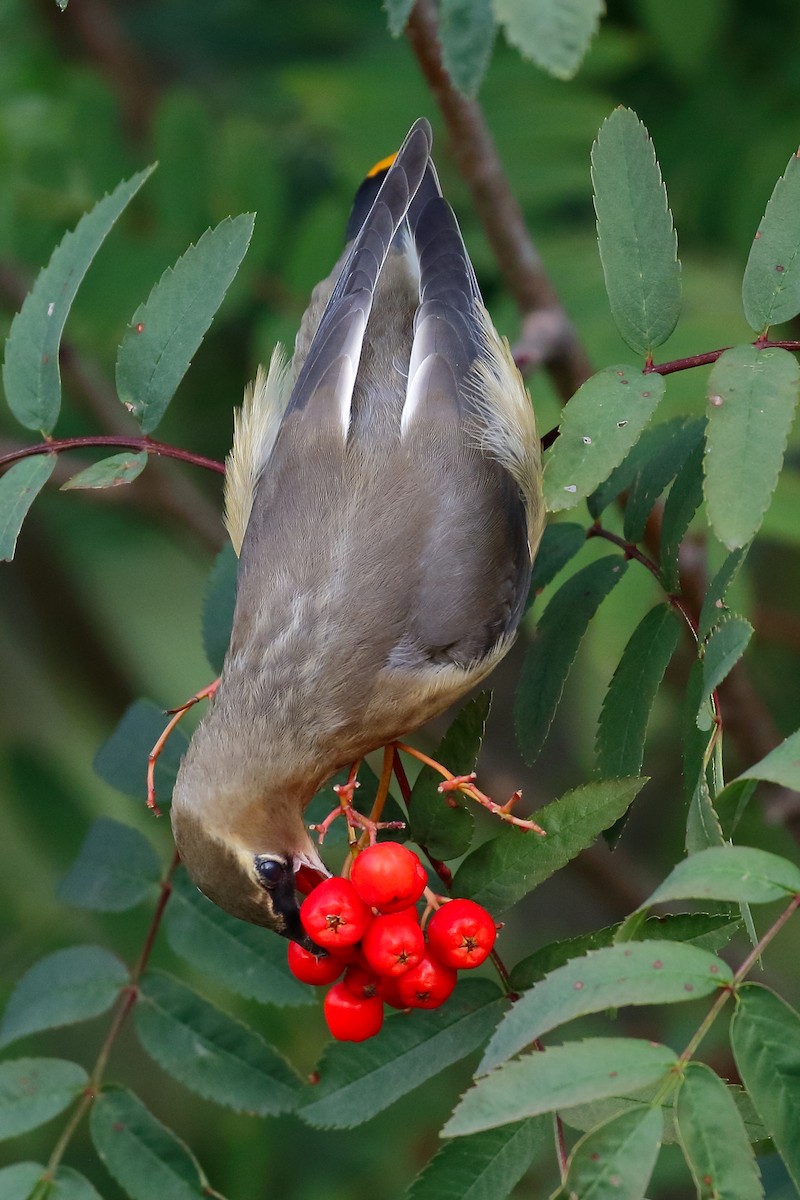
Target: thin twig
(56,445)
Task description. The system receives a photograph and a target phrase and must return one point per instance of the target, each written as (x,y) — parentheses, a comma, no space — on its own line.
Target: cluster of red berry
(370,927)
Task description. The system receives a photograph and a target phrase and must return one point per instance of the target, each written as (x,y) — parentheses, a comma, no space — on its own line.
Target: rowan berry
(334,915)
(310,968)
(362,983)
(394,942)
(461,934)
(427,985)
(350,1019)
(388,876)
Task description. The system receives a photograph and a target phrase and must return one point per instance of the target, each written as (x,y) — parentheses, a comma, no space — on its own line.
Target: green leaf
(638,244)
(18,1181)
(648,484)
(501,871)
(484,1167)
(145,1157)
(652,972)
(765,1037)
(68,986)
(122,760)
(738,873)
(466,35)
(555,34)
(710,931)
(549,1080)
(65,1184)
(781,765)
(714,608)
(615,1161)
(34,1090)
(731,803)
(31,376)
(669,441)
(714,1138)
(218,606)
(771,284)
(684,499)
(247,959)
(631,694)
(209,1052)
(554,646)
(447,832)
(752,394)
(560,542)
(725,646)
(116,869)
(166,331)
(397,13)
(702,823)
(599,425)
(358,1081)
(19,487)
(109,472)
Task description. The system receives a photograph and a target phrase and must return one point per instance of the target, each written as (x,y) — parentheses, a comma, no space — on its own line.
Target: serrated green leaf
(714,608)
(599,425)
(116,869)
(447,832)
(486,1166)
(725,646)
(648,484)
(145,1157)
(765,1037)
(218,606)
(737,873)
(615,1161)
(109,472)
(549,1080)
(31,375)
(771,284)
(34,1090)
(122,760)
(637,240)
(781,765)
(209,1052)
(731,803)
(19,487)
(555,34)
(358,1081)
(651,972)
(554,646)
(752,396)
(560,542)
(631,694)
(397,13)
(65,1184)
(466,35)
(714,1138)
(18,1181)
(684,499)
(166,331)
(710,931)
(247,959)
(668,441)
(501,871)
(70,985)
(702,823)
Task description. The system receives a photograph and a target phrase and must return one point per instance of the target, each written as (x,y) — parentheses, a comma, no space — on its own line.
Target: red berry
(309,968)
(427,985)
(390,993)
(394,943)
(362,983)
(461,934)
(388,876)
(334,915)
(350,1019)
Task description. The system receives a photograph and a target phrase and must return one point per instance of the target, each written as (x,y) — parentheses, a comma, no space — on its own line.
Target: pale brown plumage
(384,495)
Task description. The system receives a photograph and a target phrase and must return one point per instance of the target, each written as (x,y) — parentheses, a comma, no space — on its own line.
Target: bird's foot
(175,714)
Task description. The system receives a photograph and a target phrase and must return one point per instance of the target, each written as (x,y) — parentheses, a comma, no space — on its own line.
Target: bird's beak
(284,902)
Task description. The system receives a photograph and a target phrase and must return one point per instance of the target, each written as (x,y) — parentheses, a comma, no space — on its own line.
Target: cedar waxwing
(384,496)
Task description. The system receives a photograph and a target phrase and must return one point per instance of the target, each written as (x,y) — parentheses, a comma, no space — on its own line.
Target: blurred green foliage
(279,112)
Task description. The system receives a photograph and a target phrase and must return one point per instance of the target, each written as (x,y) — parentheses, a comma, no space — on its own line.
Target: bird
(383,494)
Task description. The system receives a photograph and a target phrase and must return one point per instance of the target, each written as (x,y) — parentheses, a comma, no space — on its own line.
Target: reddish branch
(56,445)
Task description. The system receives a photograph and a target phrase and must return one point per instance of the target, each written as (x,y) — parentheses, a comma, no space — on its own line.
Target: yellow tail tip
(383,165)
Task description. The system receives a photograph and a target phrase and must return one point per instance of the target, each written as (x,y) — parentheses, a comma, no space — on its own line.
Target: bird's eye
(270,871)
